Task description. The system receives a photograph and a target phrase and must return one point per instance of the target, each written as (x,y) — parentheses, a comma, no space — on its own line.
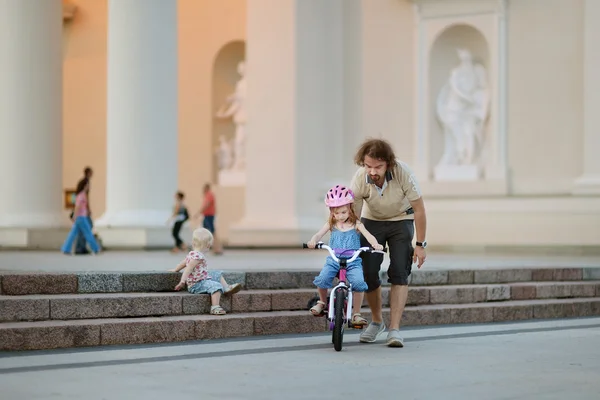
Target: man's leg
(398,296)
(371,265)
(401,251)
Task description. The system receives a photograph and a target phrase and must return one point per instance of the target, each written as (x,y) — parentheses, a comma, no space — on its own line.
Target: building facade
(492,102)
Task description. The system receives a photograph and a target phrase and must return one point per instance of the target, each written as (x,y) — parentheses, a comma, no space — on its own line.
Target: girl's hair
(352,218)
(81,186)
(202,239)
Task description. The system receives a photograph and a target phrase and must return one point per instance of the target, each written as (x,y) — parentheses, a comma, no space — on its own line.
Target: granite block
(225,326)
(456,295)
(563,310)
(48,335)
(147,330)
(291,299)
(282,322)
(459,277)
(502,276)
(472,315)
(100,282)
(568,274)
(513,313)
(553,290)
(523,292)
(591,274)
(248,302)
(582,289)
(427,315)
(544,274)
(150,282)
(22,284)
(417,295)
(24,309)
(200,303)
(423,278)
(115,306)
(280,280)
(498,292)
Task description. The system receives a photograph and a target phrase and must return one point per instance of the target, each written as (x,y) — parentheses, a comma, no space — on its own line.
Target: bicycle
(340,298)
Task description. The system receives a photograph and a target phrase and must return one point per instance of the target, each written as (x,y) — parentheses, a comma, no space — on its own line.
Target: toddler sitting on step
(198,278)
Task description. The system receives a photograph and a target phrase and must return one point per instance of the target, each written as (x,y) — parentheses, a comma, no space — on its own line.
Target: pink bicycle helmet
(339,196)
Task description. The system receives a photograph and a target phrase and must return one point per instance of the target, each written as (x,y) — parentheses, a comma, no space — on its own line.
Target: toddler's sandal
(217,310)
(357,319)
(317,309)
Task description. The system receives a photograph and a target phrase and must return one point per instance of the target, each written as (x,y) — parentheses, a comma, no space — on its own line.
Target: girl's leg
(323,282)
(229,290)
(215,298)
(359,286)
(86,228)
(67,246)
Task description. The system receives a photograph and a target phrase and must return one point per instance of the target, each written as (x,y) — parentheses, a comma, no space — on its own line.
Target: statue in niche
(462,108)
(235,108)
(224,154)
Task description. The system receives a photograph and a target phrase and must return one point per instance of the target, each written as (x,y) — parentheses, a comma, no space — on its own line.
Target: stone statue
(235,107)
(224,154)
(462,108)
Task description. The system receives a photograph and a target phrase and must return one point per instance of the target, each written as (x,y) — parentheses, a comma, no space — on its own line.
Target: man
(80,243)
(208,210)
(393,206)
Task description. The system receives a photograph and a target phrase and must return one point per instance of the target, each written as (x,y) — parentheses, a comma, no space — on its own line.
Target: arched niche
(443,59)
(224,77)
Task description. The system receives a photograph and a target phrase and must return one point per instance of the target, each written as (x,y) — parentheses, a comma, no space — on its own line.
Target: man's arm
(357,187)
(420,219)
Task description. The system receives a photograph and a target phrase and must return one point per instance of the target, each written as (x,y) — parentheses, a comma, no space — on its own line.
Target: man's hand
(419,256)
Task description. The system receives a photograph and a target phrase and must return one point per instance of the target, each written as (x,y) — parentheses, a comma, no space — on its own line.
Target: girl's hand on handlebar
(378,247)
(311,244)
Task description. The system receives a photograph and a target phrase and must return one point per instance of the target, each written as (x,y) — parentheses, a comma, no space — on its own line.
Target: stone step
(117,305)
(118,331)
(111,282)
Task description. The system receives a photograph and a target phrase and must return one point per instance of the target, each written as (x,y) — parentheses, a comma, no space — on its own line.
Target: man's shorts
(397,236)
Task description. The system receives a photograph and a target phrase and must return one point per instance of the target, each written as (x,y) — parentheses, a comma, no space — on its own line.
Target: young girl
(81,223)
(180,215)
(198,278)
(345,228)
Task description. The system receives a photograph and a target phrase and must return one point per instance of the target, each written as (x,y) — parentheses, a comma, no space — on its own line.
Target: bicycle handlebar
(321,245)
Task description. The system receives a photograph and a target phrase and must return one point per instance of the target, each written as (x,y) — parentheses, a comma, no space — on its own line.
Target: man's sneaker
(394,339)
(370,334)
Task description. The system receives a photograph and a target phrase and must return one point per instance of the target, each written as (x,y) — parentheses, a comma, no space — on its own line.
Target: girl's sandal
(358,320)
(217,310)
(317,309)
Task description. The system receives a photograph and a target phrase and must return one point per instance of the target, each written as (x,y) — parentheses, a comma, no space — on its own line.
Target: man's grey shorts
(397,236)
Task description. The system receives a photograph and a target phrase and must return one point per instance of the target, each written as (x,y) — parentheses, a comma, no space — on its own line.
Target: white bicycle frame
(330,314)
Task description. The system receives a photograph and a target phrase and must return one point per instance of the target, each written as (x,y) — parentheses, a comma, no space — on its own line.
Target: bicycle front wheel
(338,328)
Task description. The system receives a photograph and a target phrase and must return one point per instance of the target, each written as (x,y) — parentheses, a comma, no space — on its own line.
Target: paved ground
(557,359)
(247,260)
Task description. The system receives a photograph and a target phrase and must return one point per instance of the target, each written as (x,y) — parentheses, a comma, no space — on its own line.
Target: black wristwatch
(421,244)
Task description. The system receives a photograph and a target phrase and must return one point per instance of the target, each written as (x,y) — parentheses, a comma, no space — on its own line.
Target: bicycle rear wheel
(338,329)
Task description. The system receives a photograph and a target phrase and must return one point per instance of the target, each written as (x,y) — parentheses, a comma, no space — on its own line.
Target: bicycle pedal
(357,326)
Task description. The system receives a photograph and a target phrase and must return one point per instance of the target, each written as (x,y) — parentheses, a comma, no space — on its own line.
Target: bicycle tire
(338,328)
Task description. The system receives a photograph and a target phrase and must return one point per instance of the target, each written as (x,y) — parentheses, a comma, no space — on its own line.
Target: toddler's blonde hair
(202,239)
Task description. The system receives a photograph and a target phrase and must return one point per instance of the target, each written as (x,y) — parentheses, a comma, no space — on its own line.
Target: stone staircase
(60,310)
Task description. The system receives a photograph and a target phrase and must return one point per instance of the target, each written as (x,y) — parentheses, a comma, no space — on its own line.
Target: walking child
(345,231)
(81,223)
(198,278)
(180,215)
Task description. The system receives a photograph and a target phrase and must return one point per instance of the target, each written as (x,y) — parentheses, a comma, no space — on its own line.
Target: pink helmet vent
(339,196)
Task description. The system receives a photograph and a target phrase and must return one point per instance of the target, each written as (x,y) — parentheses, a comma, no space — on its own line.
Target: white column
(30,115)
(141,119)
(589,182)
(295,118)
